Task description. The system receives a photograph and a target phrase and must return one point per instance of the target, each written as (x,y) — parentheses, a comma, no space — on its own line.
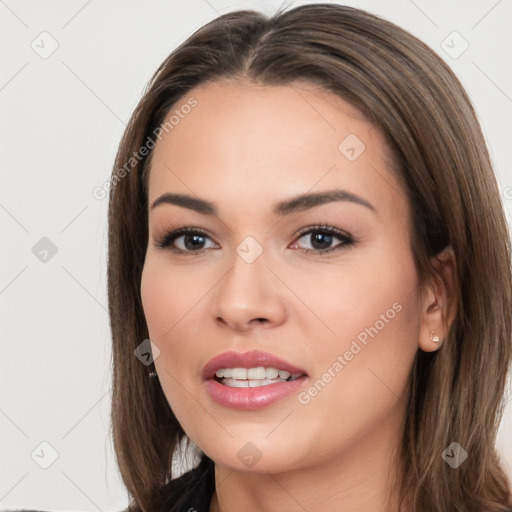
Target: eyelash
(347,240)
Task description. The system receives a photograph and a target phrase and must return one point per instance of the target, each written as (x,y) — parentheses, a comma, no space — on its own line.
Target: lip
(251,359)
(250,398)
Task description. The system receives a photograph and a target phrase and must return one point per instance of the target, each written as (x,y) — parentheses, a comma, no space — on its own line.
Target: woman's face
(290,171)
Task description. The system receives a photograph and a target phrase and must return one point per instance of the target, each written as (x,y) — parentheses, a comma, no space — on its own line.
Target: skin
(246,147)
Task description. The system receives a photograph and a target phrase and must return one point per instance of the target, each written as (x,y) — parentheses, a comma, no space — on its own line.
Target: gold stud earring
(433,338)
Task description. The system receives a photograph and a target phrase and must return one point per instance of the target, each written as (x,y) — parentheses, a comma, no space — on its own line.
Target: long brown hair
(456,392)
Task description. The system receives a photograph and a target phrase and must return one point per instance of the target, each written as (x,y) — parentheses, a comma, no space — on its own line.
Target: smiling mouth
(253,377)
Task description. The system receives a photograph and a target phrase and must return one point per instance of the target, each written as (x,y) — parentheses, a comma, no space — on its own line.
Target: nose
(249,296)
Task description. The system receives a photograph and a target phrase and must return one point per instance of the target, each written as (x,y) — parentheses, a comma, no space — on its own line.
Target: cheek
(373,310)
(152,306)
(169,296)
(374,314)
(360,374)
(377,305)
(157,291)
(171,303)
(369,301)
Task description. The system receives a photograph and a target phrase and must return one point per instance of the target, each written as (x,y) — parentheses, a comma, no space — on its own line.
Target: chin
(255,456)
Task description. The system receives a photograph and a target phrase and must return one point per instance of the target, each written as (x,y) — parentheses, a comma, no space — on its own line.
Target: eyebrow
(295,204)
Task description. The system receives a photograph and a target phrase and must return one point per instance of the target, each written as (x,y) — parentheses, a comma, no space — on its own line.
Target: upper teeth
(253,373)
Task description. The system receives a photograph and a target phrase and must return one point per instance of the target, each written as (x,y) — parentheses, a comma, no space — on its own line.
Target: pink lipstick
(251,380)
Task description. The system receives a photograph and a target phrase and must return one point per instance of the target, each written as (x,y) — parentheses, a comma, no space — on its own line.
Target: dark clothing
(194,490)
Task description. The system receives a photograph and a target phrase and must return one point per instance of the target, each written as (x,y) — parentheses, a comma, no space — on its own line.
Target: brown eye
(320,239)
(184,240)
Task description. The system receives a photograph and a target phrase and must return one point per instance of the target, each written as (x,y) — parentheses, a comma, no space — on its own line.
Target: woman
(309,275)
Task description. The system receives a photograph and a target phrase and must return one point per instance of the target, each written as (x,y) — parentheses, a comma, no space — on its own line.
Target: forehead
(246,144)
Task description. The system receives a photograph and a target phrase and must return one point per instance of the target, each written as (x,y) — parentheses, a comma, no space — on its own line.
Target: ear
(439,301)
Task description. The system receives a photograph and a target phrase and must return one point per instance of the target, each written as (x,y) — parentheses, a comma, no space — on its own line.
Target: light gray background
(61,120)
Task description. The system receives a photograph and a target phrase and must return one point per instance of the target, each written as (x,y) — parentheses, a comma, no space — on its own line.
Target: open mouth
(253,377)
(251,380)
